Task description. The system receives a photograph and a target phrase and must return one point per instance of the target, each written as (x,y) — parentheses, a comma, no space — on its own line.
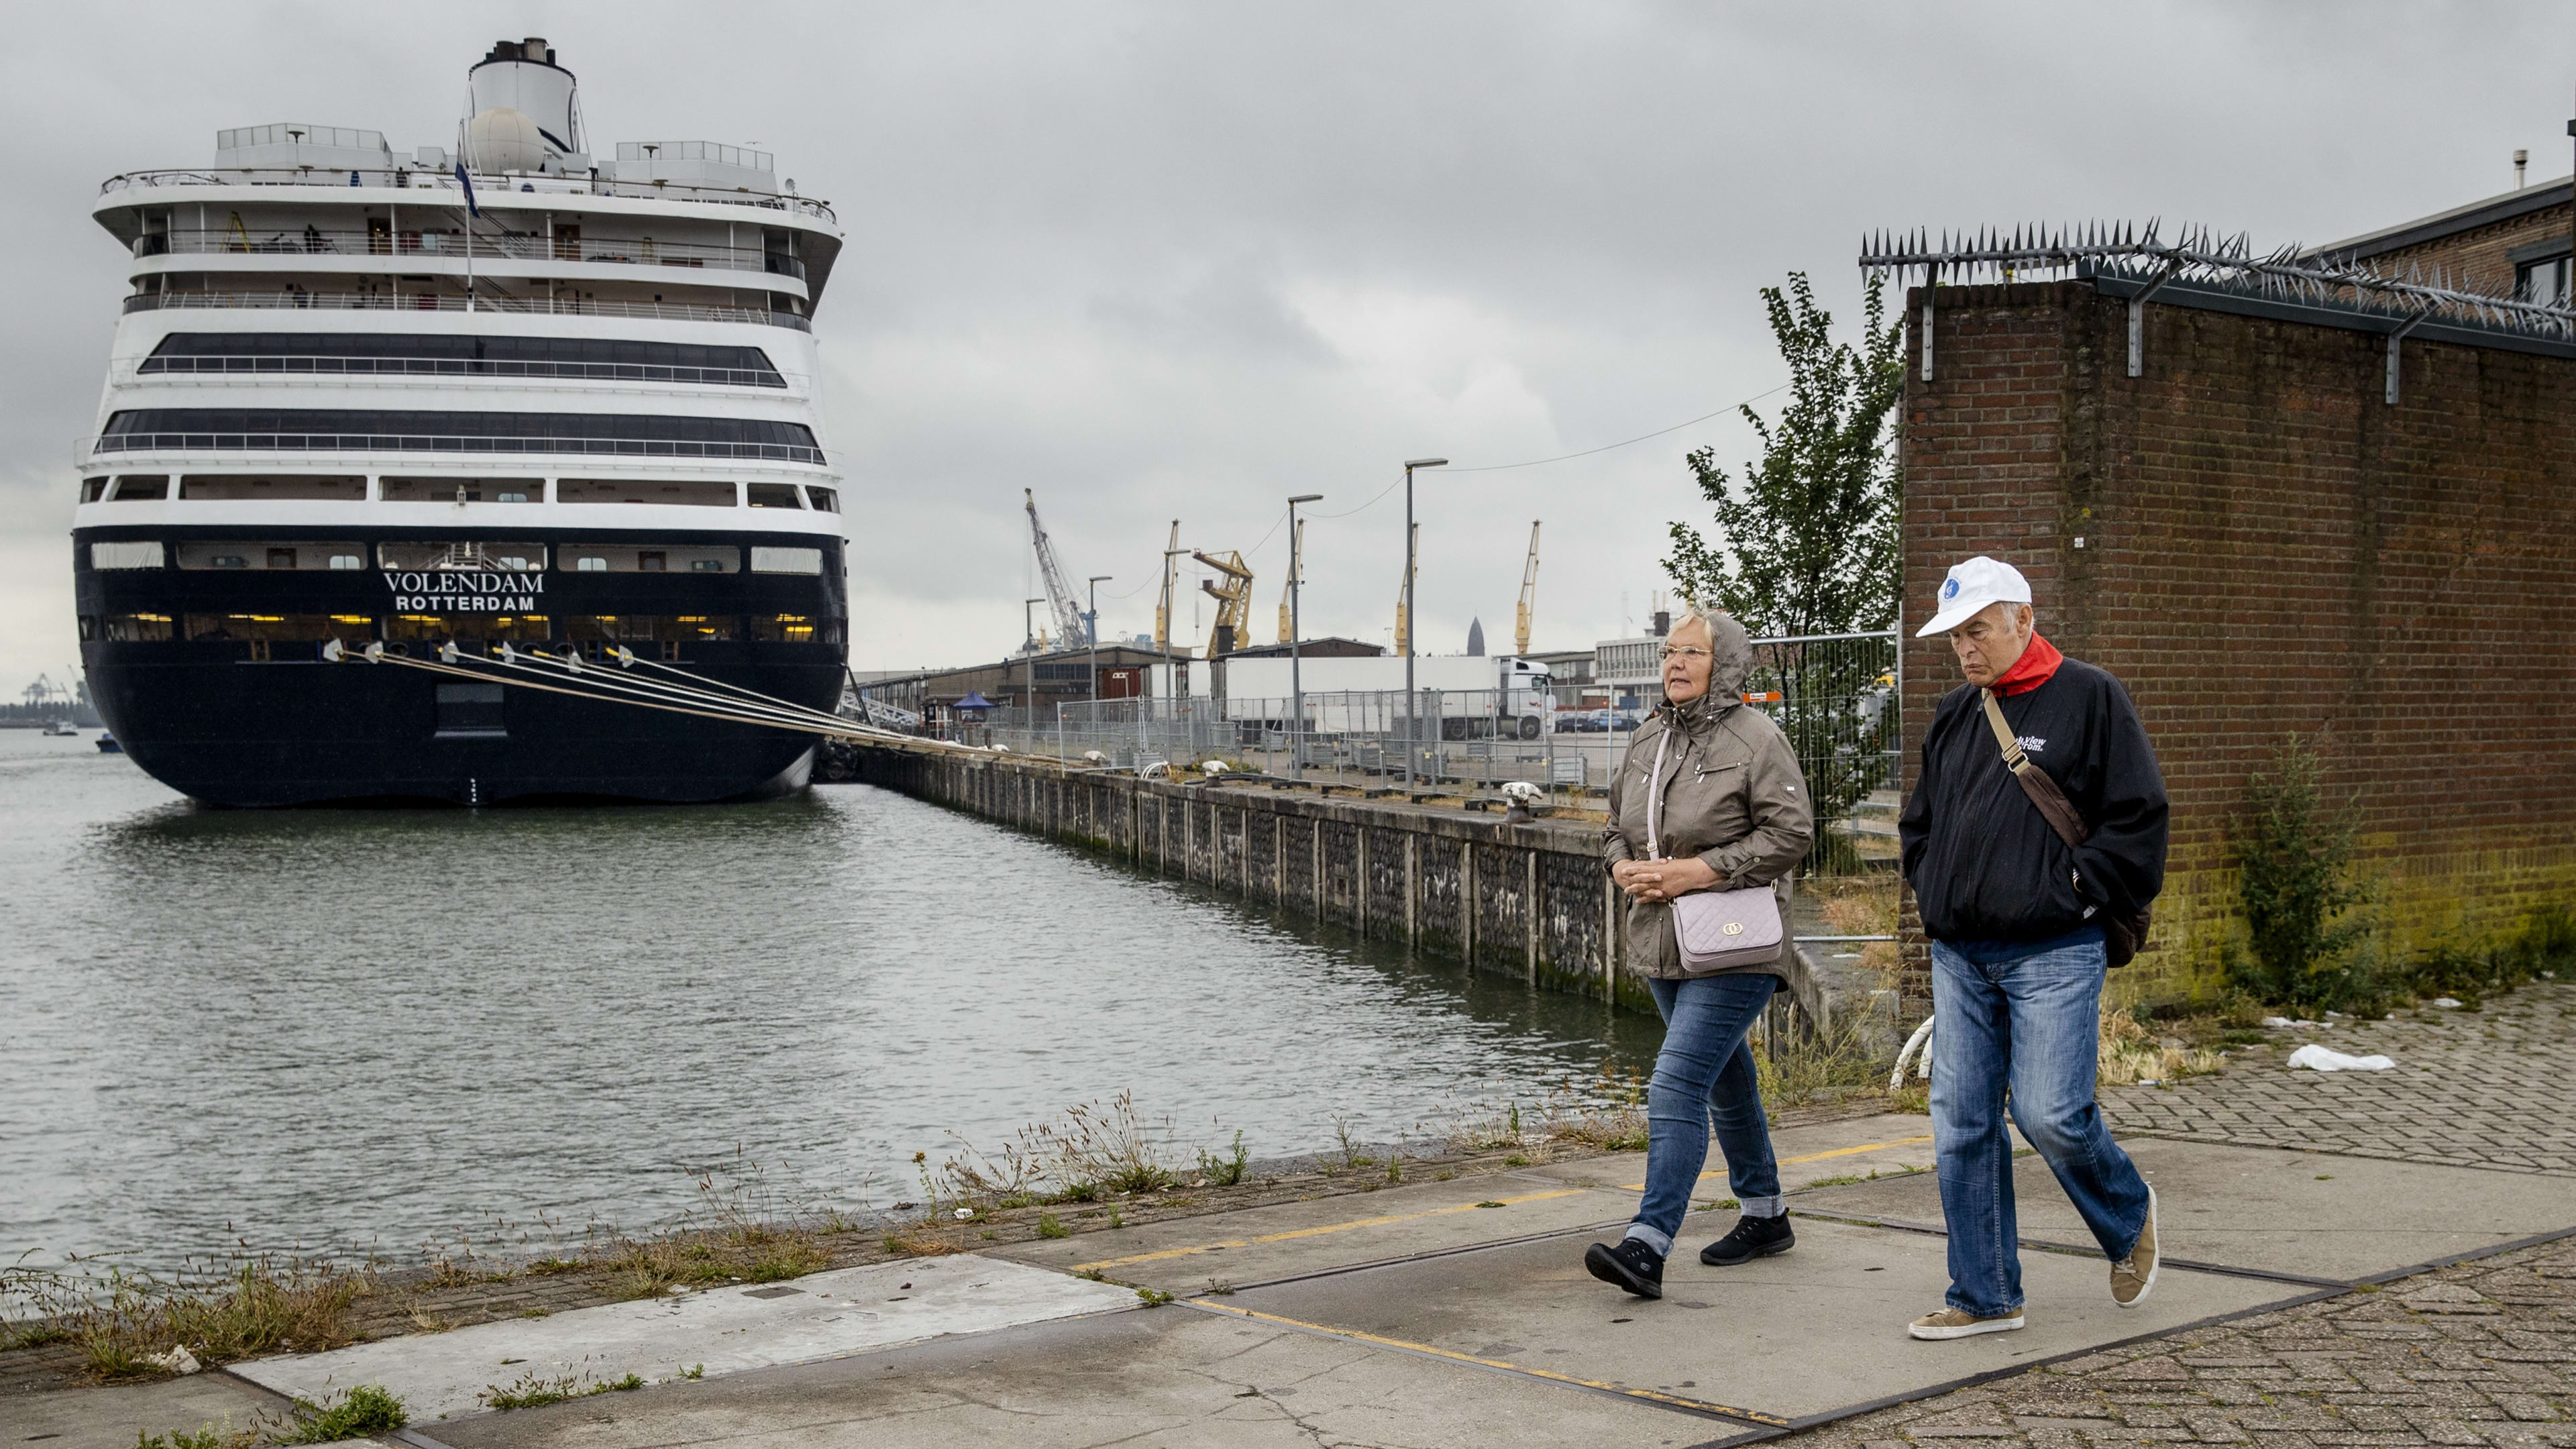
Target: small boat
(107,745)
(62,727)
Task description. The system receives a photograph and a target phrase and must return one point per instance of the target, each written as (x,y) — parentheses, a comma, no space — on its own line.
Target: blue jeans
(2026,1016)
(1705,1072)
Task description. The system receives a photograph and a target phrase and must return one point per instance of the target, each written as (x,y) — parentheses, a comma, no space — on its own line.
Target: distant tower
(1476,637)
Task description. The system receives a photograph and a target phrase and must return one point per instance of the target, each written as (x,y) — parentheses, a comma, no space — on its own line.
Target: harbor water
(385,1030)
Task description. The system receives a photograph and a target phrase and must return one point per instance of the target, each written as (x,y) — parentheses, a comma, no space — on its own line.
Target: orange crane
(1233,601)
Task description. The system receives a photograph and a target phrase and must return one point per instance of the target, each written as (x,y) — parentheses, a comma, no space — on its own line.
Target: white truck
(1475,696)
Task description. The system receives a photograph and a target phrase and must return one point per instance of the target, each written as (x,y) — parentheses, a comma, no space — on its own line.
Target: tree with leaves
(1808,542)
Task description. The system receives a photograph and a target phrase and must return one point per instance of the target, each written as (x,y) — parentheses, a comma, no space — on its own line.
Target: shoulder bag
(2122,932)
(1717,930)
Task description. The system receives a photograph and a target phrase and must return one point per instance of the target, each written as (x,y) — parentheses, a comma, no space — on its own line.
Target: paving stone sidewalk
(2482,1353)
(2494,1088)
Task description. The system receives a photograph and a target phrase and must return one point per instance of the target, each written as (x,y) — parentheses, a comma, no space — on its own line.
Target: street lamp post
(1296,681)
(1029,653)
(1091,627)
(1412,617)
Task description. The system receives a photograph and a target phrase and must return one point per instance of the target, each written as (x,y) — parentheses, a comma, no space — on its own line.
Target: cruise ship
(491,411)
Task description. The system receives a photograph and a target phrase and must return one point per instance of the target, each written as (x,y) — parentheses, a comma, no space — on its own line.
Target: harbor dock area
(2364,1257)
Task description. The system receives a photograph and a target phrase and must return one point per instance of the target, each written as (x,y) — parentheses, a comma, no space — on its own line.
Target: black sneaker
(1753,1238)
(1631,1265)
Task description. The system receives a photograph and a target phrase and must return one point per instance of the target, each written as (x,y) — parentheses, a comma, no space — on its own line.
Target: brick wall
(2267,547)
(2478,260)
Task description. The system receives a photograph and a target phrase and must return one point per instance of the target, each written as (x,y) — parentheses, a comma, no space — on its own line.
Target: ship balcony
(412,296)
(369,253)
(145,448)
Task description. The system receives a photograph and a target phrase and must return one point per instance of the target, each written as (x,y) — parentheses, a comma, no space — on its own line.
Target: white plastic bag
(2318,1059)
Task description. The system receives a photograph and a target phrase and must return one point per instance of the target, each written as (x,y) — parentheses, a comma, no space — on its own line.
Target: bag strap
(2043,791)
(1655,796)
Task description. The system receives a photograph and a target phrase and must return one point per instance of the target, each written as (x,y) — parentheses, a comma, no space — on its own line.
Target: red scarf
(2036,666)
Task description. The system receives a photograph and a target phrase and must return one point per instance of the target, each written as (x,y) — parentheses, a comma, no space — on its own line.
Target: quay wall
(1527,900)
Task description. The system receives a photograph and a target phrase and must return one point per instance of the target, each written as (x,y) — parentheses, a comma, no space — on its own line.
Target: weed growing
(2129,1052)
(206,1436)
(532,1392)
(363,1410)
(1226,1171)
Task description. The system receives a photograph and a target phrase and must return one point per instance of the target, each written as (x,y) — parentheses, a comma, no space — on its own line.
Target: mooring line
(1659,1397)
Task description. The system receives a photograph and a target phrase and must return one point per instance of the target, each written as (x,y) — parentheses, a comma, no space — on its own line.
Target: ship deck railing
(430,302)
(454,245)
(421,178)
(304,444)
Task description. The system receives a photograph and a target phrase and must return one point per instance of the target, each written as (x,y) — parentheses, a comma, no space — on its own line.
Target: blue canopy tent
(974,704)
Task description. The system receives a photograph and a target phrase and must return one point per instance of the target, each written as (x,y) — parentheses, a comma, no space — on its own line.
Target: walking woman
(1709,798)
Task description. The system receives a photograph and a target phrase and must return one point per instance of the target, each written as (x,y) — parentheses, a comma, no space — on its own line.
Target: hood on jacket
(1730,660)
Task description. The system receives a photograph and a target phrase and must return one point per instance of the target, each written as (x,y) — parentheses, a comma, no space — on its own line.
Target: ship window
(474,490)
(437,628)
(772,495)
(344,429)
(648,559)
(463,555)
(266,627)
(140,555)
(242,487)
(136,628)
(225,553)
(133,486)
(786,560)
(783,628)
(585,357)
(685,492)
(93,489)
(88,626)
(649,628)
(826,500)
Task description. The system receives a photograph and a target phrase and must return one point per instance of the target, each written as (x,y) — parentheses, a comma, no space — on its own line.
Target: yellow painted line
(1317,1232)
(1355,1336)
(1810,1157)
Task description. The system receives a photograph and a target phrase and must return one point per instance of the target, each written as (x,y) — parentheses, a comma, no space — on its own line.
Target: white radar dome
(502,139)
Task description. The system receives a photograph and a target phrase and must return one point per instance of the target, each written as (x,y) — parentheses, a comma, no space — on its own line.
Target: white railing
(496,188)
(413,371)
(484,246)
(530,306)
(111,444)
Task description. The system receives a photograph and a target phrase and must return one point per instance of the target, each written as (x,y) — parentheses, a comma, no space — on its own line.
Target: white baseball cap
(1970,587)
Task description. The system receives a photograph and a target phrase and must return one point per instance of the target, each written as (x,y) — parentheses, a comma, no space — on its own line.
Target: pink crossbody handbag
(1717,929)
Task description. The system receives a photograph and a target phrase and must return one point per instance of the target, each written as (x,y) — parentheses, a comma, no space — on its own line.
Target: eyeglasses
(1683,651)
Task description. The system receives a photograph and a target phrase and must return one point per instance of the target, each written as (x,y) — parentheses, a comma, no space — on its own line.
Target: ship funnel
(526,111)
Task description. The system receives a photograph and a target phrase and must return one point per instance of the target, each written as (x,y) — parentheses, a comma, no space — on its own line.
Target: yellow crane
(1296,561)
(1403,625)
(1529,595)
(1163,607)
(1233,601)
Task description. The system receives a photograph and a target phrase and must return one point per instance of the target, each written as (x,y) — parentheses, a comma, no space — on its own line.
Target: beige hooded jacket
(1732,795)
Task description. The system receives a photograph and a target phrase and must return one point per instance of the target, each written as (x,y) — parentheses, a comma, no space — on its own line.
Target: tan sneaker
(2134,1277)
(1958,1323)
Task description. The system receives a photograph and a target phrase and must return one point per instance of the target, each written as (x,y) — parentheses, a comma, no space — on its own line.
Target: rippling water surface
(384,1027)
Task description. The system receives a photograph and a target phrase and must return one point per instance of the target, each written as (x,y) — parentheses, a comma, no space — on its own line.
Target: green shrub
(2294,877)
(365,1409)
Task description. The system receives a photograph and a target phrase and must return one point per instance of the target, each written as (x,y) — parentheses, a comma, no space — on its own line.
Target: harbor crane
(1163,606)
(1288,590)
(1074,629)
(1233,600)
(1529,595)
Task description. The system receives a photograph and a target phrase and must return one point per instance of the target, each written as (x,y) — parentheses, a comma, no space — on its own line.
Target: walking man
(2023,920)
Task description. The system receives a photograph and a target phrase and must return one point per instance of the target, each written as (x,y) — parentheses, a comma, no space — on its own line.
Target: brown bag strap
(2035,782)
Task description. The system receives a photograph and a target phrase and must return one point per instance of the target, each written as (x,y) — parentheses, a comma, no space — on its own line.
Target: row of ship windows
(607,629)
(352,488)
(518,558)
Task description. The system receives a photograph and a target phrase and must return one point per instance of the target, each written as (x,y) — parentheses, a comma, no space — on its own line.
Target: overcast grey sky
(1183,260)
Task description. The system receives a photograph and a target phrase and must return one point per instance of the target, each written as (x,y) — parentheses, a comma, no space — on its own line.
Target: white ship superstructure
(502,392)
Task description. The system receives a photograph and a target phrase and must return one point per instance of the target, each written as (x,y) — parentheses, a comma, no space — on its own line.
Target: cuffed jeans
(2027,1017)
(1704,1073)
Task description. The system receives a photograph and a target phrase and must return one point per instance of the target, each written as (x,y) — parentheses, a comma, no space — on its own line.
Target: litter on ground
(2318,1059)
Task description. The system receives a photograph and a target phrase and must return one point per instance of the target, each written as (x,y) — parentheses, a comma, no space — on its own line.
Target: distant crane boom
(1072,628)
(1529,595)
(1287,591)
(1163,606)
(1404,625)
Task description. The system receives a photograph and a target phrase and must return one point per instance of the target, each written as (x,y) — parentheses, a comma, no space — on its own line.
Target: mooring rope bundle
(567,674)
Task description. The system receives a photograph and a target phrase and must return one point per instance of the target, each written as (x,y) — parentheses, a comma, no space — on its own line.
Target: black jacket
(1984,864)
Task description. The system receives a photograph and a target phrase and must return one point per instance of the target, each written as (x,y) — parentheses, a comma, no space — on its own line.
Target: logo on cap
(1950,589)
